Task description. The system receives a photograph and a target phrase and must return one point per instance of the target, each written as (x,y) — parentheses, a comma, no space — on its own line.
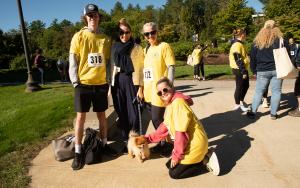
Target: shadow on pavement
(231,147)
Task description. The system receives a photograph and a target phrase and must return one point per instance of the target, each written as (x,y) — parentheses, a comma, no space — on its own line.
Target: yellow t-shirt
(238,47)
(93,52)
(180,117)
(156,61)
(137,57)
(197,55)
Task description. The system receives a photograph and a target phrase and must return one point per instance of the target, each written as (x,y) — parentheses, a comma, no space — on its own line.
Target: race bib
(292,53)
(148,74)
(95,60)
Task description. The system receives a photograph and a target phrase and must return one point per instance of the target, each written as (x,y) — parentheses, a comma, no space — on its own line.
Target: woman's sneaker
(273,117)
(265,103)
(213,163)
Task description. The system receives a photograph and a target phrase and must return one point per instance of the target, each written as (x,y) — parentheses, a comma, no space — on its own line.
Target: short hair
(150,24)
(165,80)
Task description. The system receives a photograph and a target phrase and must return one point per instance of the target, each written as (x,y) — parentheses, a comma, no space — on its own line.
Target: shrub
(182,49)
(18,62)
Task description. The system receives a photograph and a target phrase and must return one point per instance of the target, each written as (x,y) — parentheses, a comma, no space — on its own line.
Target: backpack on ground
(92,147)
(64,148)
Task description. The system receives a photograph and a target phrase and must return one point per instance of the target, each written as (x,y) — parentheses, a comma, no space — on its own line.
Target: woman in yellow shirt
(239,63)
(190,150)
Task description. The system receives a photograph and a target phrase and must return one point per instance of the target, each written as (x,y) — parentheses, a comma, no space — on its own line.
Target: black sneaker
(110,151)
(250,115)
(273,117)
(77,163)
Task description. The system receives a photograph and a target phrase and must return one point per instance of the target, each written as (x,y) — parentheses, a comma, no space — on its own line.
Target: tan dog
(138,147)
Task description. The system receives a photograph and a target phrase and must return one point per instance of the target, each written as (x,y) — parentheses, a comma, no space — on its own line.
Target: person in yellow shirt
(159,62)
(239,63)
(89,53)
(190,150)
(198,63)
(127,62)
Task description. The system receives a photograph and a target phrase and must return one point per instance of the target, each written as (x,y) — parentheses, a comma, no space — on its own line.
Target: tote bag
(64,148)
(284,66)
(190,60)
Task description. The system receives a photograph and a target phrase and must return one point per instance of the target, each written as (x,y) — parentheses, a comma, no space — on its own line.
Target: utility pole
(30,84)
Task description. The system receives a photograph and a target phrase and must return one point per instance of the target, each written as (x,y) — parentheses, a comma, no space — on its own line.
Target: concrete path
(252,153)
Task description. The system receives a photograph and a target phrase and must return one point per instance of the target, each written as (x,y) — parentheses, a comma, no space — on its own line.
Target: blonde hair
(123,22)
(267,35)
(150,24)
(239,32)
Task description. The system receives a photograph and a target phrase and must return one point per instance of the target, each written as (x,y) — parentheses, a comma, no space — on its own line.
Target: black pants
(181,171)
(123,94)
(242,86)
(297,86)
(157,114)
(197,67)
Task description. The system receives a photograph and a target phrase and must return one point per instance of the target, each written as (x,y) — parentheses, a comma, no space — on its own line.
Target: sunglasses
(93,15)
(121,32)
(165,90)
(147,34)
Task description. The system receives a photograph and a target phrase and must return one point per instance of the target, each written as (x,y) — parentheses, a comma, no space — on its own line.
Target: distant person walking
(62,67)
(198,62)
(296,111)
(263,66)
(239,63)
(39,62)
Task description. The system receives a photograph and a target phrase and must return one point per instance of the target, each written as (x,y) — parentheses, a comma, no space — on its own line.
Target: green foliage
(182,48)
(27,120)
(287,14)
(18,62)
(235,15)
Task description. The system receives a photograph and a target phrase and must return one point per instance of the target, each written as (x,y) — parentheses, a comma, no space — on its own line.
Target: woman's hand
(173,163)
(140,93)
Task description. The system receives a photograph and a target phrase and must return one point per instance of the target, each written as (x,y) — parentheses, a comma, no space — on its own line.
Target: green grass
(183,71)
(28,122)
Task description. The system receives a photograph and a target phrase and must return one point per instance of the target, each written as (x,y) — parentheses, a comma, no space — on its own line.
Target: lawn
(28,122)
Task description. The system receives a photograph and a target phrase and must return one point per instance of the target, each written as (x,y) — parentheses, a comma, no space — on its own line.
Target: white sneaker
(265,103)
(236,107)
(244,108)
(213,164)
(203,78)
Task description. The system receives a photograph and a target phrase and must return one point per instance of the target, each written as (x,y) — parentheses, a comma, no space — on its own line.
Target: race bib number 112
(148,74)
(95,59)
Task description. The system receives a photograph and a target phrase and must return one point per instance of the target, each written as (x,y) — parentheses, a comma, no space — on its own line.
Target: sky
(48,10)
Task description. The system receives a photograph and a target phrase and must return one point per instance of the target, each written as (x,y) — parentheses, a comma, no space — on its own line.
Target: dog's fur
(138,147)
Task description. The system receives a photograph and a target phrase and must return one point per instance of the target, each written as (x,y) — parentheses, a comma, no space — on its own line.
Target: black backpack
(92,147)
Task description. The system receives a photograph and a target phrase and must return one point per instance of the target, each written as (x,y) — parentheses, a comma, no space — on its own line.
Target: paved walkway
(252,153)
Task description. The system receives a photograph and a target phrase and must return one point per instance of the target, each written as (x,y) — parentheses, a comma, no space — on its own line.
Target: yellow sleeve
(181,115)
(168,55)
(74,47)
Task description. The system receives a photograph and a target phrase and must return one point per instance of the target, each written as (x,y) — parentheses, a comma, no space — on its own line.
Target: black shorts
(85,95)
(297,86)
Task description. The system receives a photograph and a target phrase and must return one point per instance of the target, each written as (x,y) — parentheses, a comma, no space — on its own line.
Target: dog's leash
(139,105)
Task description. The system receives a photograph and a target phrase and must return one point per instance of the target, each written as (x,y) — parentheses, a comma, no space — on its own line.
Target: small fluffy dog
(138,147)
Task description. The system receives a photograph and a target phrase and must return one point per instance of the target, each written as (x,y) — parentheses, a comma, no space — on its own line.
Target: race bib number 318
(95,59)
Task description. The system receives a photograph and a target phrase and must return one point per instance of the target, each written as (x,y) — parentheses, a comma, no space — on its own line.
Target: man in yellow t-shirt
(89,54)
(159,62)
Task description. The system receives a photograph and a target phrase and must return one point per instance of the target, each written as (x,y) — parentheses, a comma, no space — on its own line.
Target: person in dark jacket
(296,111)
(263,66)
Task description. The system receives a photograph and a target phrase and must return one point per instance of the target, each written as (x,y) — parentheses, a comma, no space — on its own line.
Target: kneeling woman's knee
(173,174)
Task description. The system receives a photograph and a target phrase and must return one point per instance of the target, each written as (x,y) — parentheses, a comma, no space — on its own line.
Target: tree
(235,15)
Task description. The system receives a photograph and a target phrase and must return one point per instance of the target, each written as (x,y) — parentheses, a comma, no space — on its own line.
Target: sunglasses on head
(147,34)
(121,32)
(165,90)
